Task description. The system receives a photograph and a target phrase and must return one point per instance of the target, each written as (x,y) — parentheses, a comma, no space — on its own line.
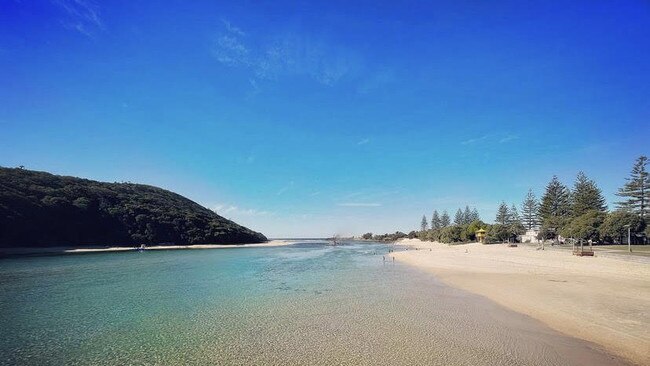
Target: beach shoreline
(4,252)
(599,299)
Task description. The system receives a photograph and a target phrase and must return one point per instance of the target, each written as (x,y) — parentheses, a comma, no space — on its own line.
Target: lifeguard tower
(480,236)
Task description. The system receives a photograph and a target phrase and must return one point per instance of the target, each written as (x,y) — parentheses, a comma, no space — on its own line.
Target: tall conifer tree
(459,218)
(556,202)
(444,219)
(435,220)
(530,211)
(424,224)
(586,196)
(467,215)
(475,215)
(513,215)
(636,191)
(503,214)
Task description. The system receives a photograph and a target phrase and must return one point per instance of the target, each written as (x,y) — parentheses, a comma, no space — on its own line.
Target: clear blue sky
(310,119)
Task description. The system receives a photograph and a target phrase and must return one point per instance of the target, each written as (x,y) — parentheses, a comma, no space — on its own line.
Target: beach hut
(480,236)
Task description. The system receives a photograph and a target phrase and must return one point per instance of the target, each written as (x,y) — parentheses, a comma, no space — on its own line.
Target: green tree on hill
(586,196)
(43,210)
(636,191)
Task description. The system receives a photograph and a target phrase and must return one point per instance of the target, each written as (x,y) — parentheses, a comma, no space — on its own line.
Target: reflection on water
(305,303)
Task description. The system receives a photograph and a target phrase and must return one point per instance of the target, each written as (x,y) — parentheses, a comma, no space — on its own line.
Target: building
(530,236)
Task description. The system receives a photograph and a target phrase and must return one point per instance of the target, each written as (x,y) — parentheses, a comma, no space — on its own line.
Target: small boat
(141,248)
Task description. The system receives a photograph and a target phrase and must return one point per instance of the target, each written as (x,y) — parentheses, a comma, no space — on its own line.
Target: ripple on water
(269,306)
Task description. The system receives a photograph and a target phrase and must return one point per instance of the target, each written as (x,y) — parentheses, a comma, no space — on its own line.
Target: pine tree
(586,196)
(515,226)
(435,220)
(513,215)
(424,225)
(475,216)
(556,202)
(444,219)
(530,211)
(459,219)
(636,190)
(467,216)
(503,214)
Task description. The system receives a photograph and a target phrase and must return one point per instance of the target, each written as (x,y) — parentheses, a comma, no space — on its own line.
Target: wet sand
(598,299)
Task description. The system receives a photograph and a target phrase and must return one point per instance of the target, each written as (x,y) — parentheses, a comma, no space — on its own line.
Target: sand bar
(69,250)
(600,299)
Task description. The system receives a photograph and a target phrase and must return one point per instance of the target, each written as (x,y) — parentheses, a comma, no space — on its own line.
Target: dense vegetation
(579,213)
(42,209)
(388,237)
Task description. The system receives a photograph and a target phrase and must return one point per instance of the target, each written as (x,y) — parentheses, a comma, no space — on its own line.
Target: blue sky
(309,119)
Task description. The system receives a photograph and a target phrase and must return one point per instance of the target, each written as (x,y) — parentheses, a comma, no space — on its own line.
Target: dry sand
(599,299)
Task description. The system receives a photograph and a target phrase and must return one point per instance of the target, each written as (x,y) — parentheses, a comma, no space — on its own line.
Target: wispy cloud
(255,88)
(231,28)
(493,138)
(363,141)
(376,80)
(81,15)
(231,51)
(284,189)
(508,138)
(232,210)
(359,204)
(370,195)
(282,54)
(475,140)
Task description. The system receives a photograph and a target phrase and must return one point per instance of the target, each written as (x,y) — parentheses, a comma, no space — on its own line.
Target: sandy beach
(600,299)
(64,250)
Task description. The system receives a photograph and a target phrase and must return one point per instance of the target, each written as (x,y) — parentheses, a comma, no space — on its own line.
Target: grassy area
(638,249)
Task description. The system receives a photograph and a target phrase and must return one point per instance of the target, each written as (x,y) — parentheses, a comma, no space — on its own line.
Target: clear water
(302,304)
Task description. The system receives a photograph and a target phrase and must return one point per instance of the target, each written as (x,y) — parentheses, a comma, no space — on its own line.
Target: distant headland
(39,209)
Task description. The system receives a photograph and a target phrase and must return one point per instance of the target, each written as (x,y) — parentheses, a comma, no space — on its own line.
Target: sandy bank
(600,299)
(63,250)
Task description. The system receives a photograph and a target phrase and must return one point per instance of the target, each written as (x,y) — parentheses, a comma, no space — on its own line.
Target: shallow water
(302,304)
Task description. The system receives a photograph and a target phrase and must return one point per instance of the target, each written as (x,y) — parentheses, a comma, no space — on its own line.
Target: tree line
(579,212)
(466,222)
(582,213)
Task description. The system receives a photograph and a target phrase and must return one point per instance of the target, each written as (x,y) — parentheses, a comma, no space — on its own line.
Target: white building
(530,236)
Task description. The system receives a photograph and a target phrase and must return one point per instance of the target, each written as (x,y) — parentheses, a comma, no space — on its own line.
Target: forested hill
(45,210)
